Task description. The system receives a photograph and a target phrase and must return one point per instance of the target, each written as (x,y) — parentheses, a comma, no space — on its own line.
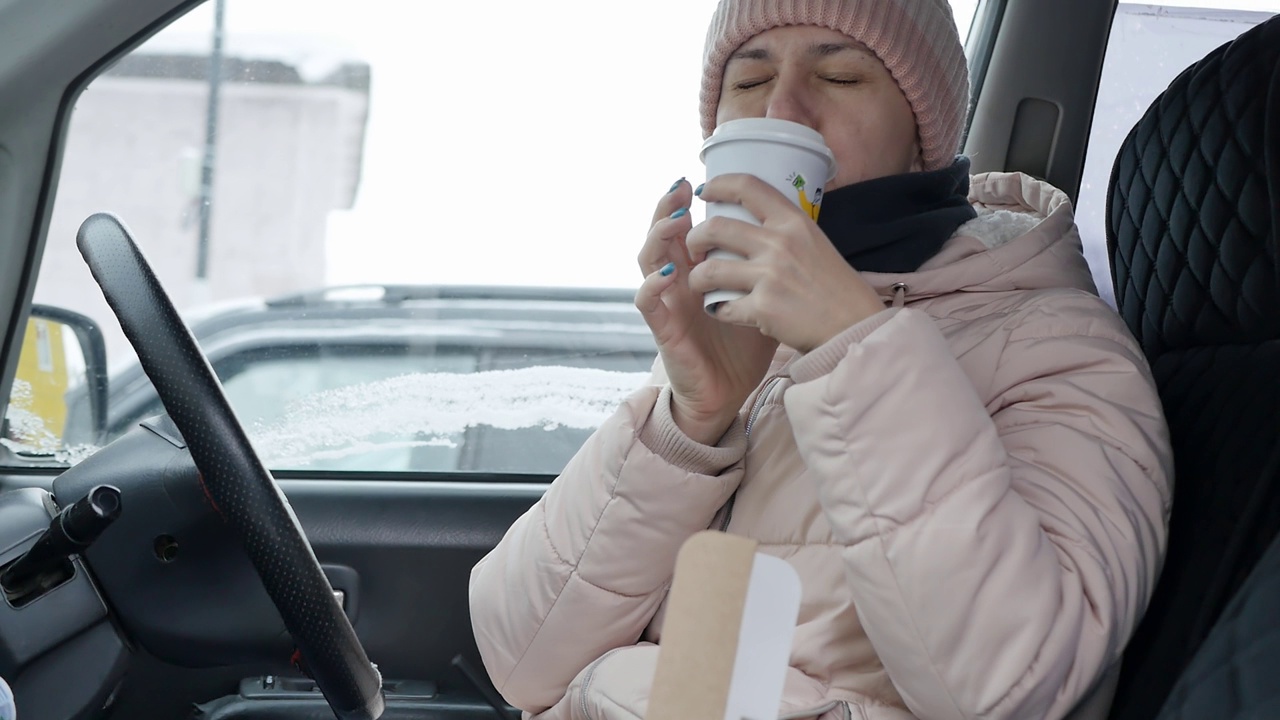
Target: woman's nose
(788,102)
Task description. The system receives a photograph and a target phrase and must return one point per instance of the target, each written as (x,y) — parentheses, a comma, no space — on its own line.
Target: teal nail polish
(698,191)
(667,269)
(679,213)
(675,186)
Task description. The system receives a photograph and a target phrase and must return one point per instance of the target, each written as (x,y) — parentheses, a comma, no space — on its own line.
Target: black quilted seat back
(1192,226)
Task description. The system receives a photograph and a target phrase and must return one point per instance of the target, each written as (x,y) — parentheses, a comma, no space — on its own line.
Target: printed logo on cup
(812,208)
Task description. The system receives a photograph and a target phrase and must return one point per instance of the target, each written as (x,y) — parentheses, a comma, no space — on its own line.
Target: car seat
(1193,214)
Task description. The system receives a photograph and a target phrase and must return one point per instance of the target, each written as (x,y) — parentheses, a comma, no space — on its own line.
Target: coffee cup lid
(774,130)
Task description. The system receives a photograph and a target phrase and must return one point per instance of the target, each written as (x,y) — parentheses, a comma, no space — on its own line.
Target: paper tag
(726,639)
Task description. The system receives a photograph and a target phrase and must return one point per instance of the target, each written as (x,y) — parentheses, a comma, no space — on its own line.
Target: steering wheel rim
(238,485)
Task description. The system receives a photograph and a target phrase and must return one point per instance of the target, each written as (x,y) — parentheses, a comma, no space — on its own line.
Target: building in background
(289,149)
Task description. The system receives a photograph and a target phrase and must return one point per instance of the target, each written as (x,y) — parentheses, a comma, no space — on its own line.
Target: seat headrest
(1194,205)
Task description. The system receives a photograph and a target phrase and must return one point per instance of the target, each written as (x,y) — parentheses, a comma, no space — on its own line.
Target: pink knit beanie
(915,39)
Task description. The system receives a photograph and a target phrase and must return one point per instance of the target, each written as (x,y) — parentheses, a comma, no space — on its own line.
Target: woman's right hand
(713,366)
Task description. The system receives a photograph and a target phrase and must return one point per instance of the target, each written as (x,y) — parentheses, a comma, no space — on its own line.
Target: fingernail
(667,269)
(679,213)
(698,190)
(675,186)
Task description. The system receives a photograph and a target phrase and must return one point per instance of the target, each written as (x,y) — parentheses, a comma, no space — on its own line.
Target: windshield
(404,233)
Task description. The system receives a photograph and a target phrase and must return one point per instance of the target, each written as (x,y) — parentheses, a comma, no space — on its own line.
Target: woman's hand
(800,291)
(713,366)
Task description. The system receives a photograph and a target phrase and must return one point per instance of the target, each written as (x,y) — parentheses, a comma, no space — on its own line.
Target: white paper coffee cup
(789,156)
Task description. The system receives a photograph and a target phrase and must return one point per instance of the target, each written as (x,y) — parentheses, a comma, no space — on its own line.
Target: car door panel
(409,545)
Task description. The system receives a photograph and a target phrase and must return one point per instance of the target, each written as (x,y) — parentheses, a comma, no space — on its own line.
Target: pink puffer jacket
(973,486)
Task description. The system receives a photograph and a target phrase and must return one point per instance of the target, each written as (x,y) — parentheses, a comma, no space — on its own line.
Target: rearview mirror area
(62,363)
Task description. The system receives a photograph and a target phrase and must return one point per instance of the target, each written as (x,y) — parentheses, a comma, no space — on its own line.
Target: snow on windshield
(433,409)
(372,425)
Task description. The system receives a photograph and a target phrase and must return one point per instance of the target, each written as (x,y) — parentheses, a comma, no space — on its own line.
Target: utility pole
(210,142)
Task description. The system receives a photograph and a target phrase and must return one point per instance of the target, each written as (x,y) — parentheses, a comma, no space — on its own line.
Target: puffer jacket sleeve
(585,569)
(999,555)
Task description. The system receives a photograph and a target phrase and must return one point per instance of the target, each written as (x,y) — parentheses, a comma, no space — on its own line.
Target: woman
(920,403)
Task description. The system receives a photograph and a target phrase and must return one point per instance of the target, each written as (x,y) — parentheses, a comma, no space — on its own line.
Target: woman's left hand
(799,289)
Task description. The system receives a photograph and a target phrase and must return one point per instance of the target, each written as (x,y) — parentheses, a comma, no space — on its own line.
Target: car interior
(166,576)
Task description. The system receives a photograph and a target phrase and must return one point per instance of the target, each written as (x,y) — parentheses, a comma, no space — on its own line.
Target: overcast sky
(509,146)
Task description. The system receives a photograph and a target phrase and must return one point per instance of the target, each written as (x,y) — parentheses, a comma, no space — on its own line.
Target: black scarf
(894,224)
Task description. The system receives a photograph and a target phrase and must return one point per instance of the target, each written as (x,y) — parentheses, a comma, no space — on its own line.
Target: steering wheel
(234,479)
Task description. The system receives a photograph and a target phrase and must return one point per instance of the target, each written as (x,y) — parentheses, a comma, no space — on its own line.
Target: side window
(1149,46)
(420,212)
(267,386)
(288,397)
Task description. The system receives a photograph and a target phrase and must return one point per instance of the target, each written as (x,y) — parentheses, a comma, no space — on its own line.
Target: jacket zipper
(758,406)
(586,680)
(756,409)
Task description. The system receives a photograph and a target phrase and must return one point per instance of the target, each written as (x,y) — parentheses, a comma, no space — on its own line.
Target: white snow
(434,408)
